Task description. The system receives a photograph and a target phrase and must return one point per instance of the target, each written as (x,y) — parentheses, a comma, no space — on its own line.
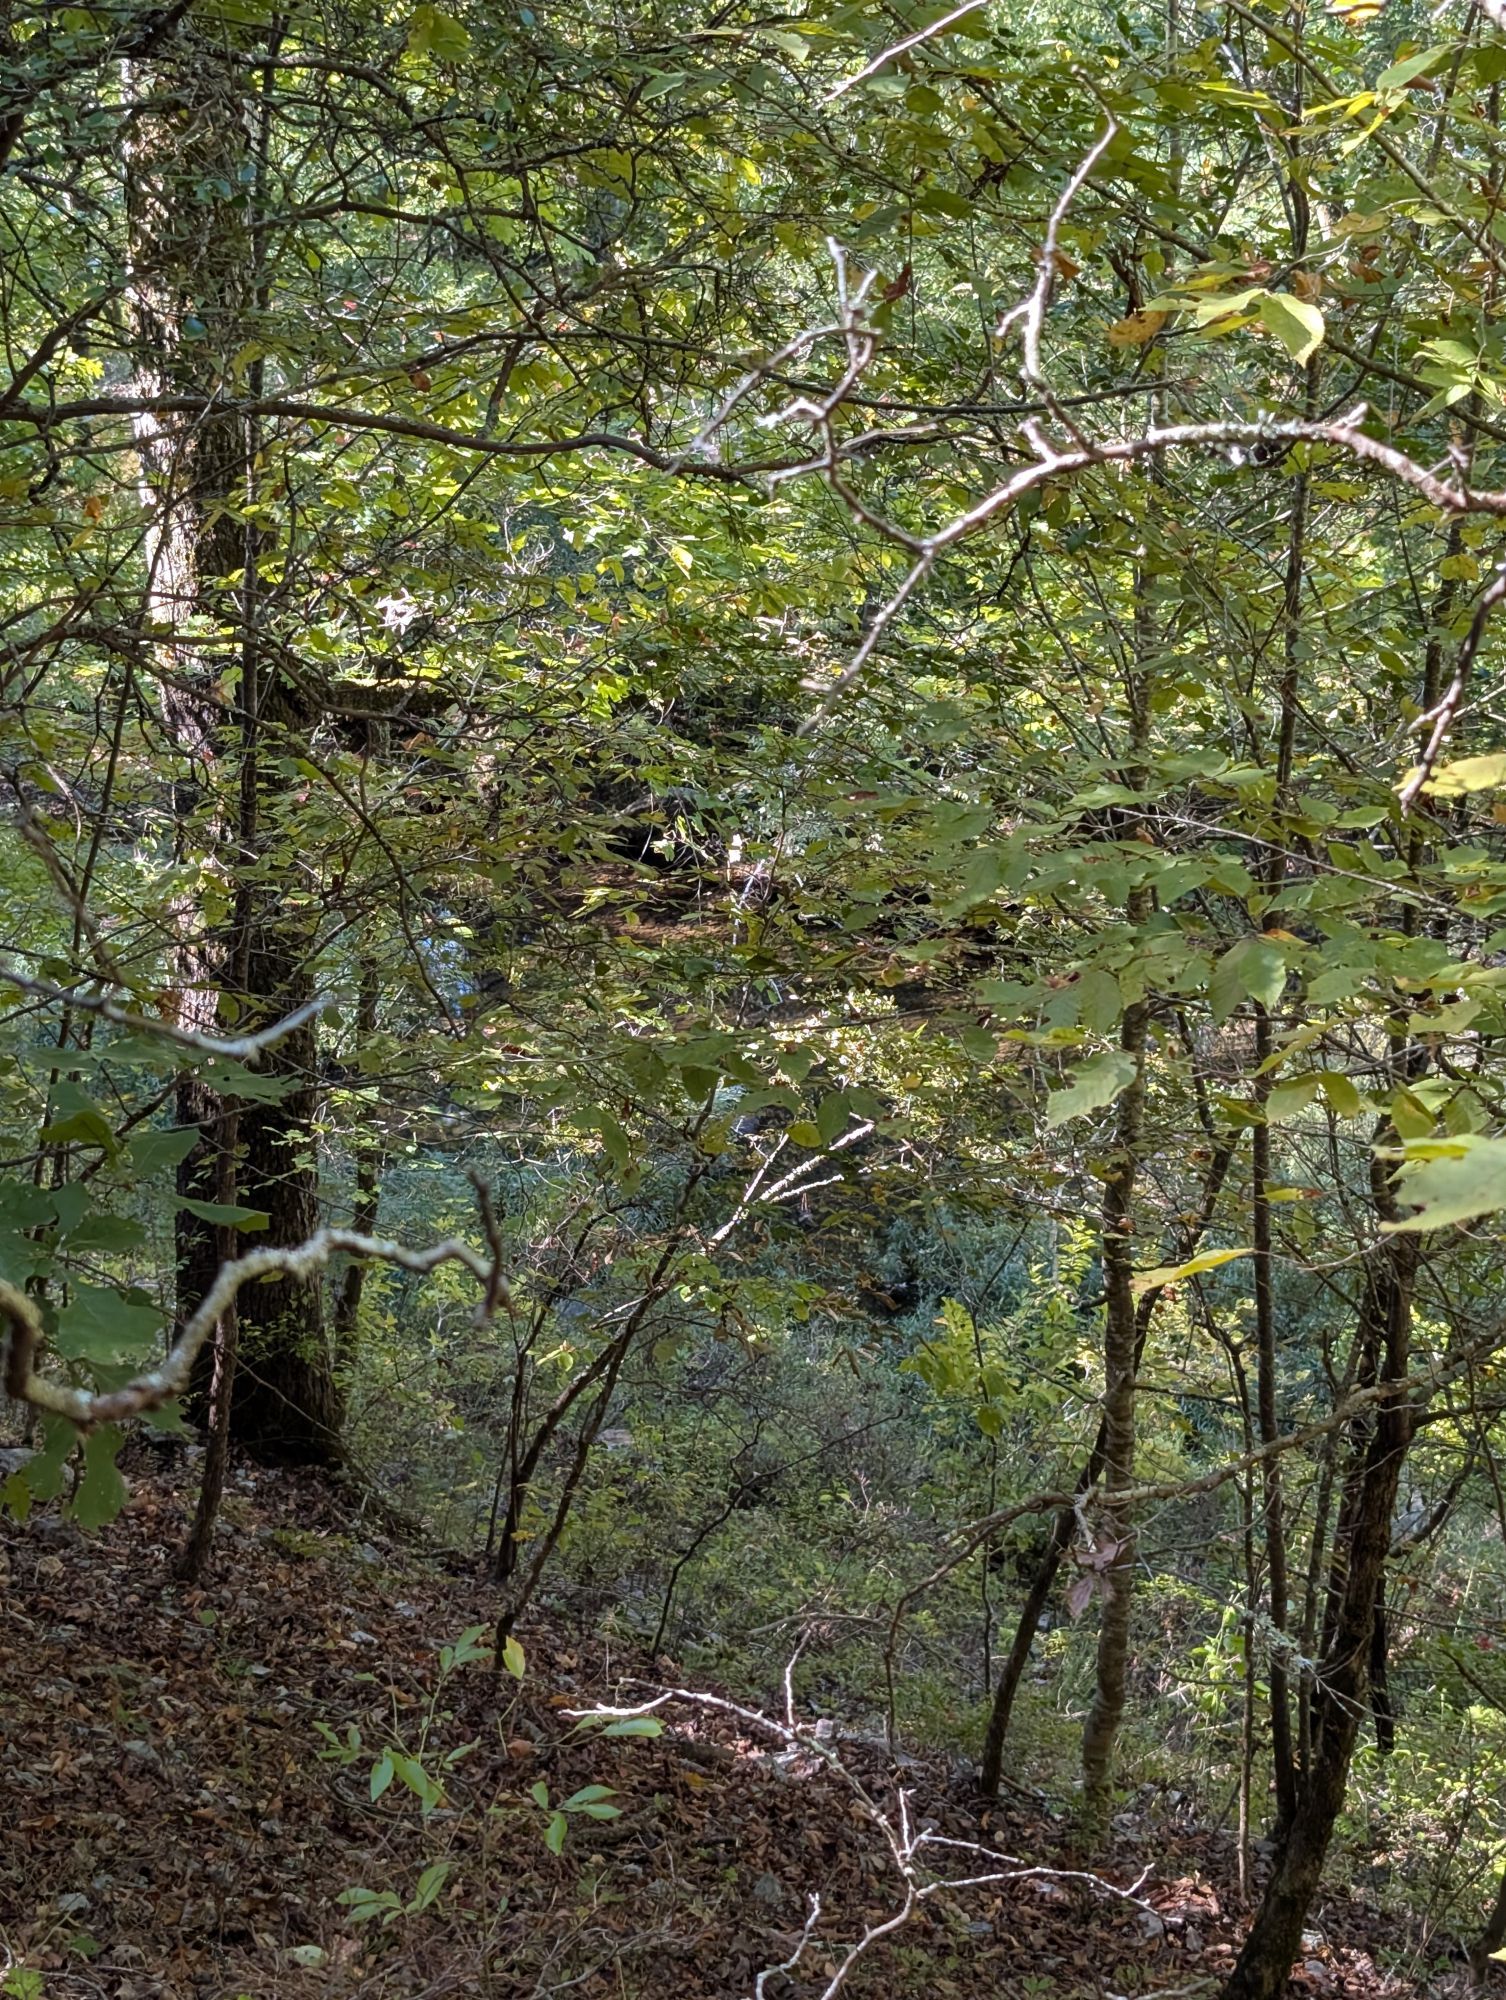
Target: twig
(760,1984)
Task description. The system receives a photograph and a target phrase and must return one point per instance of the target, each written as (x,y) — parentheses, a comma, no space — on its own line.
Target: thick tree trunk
(288,1405)
(188,289)
(195,158)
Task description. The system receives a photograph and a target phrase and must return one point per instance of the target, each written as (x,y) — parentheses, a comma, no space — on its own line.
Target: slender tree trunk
(1338,1703)
(1282,1756)
(194,1559)
(1380,1679)
(1065,1521)
(1120,1356)
(367,1201)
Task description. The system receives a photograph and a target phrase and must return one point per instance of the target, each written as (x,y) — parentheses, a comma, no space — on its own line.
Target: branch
(238,1048)
(906,1845)
(1443,716)
(160,1385)
(48,416)
(903,48)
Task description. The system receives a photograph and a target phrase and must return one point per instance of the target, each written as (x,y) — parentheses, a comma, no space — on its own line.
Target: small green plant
(397,1760)
(590,1802)
(382,1906)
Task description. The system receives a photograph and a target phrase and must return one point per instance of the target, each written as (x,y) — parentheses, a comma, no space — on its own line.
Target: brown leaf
(1080,1594)
(1138,330)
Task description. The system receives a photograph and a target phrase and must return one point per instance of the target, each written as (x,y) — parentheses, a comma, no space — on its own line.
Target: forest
(752,999)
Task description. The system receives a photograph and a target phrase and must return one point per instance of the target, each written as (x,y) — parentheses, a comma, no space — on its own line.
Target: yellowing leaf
(1469,774)
(1468,1181)
(434,33)
(1168,1274)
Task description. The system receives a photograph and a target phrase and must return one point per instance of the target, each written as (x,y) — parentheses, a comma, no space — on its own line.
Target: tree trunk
(194,162)
(1121,1347)
(1339,1697)
(991,1766)
(288,1406)
(188,289)
(1282,1756)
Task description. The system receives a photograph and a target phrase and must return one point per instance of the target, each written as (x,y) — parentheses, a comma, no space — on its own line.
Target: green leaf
(1290,1098)
(233,1079)
(430,1883)
(382,1774)
(635,1725)
(1252,969)
(99,1324)
(555,1832)
(1342,1093)
(433,33)
(81,1122)
(1298,325)
(587,1795)
(151,1150)
(101,1492)
(1411,1117)
(831,1117)
(23,1206)
(1399,75)
(1467,1181)
(227,1214)
(364,1904)
(1098,1000)
(1096,1084)
(512,1658)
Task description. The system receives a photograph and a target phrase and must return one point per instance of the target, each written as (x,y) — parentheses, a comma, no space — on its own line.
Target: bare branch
(160,1385)
(1443,716)
(246,1049)
(903,48)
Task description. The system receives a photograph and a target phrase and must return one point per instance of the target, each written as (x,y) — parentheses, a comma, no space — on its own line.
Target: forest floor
(171,1828)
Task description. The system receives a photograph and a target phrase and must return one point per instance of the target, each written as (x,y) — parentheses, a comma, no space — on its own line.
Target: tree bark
(188,290)
(1121,1348)
(991,1766)
(195,159)
(1339,1697)
(1282,1756)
